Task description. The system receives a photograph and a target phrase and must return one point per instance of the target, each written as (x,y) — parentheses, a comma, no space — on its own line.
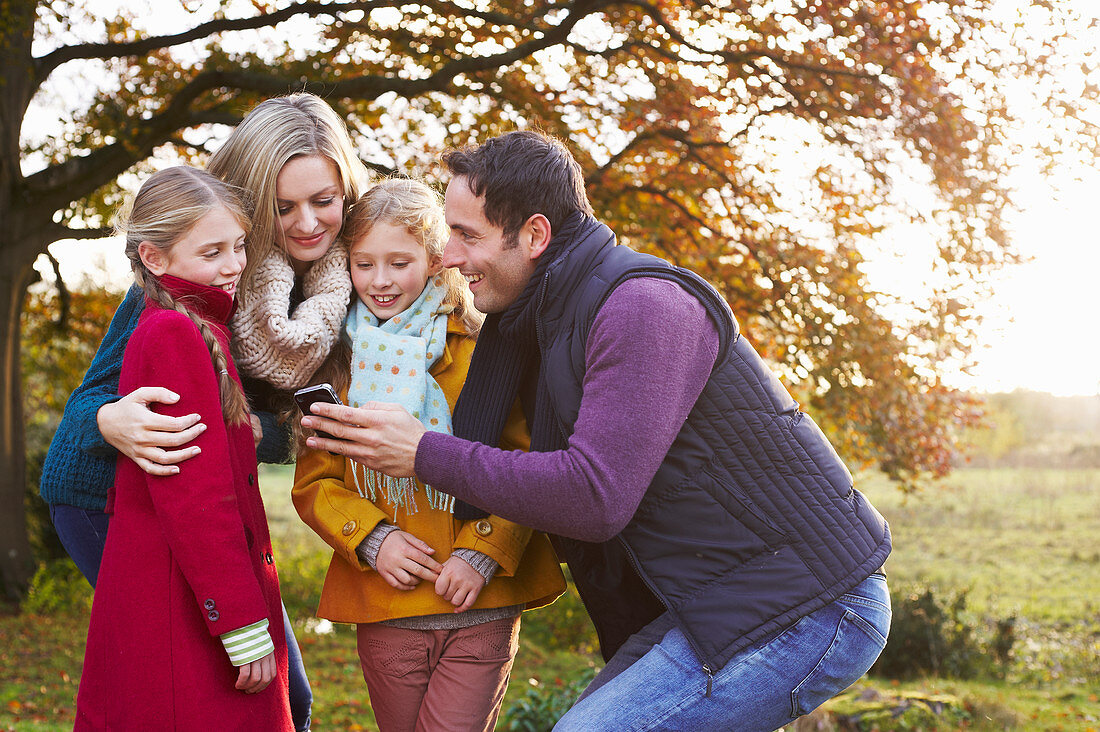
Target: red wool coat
(188,557)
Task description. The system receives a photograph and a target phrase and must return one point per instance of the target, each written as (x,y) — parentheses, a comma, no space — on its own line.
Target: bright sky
(1040,331)
(1040,323)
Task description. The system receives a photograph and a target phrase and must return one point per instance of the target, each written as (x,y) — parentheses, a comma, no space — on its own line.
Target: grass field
(1023,543)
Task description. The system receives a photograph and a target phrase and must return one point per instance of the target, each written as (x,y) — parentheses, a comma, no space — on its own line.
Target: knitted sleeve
(100,385)
(483,564)
(368,548)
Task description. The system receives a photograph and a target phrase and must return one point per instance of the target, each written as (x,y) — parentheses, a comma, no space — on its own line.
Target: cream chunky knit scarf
(282,349)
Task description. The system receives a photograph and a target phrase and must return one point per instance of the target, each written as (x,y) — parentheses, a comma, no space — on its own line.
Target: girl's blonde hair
(413,205)
(273,133)
(166,207)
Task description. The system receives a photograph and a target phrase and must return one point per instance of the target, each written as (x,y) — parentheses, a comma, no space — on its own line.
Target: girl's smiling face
(210,253)
(310,203)
(389,268)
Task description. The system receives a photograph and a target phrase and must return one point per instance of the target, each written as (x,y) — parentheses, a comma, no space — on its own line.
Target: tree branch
(106,163)
(64,299)
(44,65)
(58,232)
(670,133)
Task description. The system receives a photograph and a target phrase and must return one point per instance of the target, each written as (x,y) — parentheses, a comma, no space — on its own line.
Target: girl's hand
(459,584)
(403,560)
(254,677)
(139,433)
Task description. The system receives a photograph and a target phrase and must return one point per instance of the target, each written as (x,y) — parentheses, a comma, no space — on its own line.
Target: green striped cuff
(248,644)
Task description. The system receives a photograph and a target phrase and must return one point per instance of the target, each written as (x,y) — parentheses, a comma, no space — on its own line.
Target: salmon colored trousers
(437,680)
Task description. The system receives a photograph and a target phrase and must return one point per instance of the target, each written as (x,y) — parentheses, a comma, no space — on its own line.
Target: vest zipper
(656,593)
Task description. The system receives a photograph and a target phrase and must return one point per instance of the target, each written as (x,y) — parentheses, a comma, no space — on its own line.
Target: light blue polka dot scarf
(389,363)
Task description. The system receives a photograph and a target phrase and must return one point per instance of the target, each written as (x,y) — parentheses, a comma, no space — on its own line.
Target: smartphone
(312,394)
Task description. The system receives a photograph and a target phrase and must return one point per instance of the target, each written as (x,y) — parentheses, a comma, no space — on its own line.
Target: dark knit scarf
(505,365)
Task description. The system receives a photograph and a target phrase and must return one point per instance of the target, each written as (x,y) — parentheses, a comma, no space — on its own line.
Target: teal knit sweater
(80,465)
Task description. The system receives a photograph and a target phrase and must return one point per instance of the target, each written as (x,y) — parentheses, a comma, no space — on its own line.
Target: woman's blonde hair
(274,132)
(167,206)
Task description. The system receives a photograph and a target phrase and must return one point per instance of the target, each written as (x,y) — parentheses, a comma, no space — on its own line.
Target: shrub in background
(60,336)
(563,626)
(932,634)
(301,575)
(58,588)
(543,705)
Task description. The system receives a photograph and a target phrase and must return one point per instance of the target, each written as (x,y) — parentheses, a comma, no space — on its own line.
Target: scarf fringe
(399,492)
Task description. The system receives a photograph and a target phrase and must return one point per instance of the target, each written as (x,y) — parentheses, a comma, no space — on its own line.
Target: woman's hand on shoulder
(144,436)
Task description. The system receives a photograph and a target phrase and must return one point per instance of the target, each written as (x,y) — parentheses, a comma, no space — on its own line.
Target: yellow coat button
(349,528)
(483,527)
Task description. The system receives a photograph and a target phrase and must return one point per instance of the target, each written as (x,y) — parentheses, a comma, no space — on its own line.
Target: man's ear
(536,230)
(153,258)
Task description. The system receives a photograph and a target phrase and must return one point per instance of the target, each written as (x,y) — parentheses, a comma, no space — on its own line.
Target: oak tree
(766,145)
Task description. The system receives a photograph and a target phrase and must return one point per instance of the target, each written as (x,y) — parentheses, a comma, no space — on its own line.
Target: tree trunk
(19,237)
(16,561)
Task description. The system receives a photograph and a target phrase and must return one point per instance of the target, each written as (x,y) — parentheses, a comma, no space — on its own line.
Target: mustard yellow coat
(326,498)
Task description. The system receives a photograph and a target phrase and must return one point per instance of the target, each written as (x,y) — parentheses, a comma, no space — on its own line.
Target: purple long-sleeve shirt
(650,351)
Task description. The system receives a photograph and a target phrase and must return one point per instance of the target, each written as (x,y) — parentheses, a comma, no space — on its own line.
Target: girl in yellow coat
(436,601)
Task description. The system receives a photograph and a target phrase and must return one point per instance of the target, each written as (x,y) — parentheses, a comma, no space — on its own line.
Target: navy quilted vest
(752,520)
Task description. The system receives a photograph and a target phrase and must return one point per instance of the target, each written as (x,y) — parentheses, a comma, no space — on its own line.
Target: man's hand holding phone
(381,436)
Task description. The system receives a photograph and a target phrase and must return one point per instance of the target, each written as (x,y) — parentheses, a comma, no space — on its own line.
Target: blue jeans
(764,687)
(83,533)
(301,696)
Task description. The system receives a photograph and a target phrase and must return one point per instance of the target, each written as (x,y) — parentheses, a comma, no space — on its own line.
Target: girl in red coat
(186,630)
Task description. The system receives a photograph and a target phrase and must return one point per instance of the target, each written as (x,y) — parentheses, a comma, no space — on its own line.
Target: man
(731,571)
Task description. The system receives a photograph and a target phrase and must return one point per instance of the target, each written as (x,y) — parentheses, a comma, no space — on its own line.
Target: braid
(234,404)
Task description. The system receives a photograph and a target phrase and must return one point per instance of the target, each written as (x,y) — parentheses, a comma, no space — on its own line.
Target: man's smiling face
(496,270)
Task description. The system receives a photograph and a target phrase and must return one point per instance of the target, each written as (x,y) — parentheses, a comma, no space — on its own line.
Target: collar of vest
(578,283)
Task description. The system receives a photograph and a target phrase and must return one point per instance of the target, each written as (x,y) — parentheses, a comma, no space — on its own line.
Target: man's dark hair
(521,174)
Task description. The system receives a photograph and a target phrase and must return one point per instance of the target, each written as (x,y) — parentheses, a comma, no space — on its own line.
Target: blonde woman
(292,155)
